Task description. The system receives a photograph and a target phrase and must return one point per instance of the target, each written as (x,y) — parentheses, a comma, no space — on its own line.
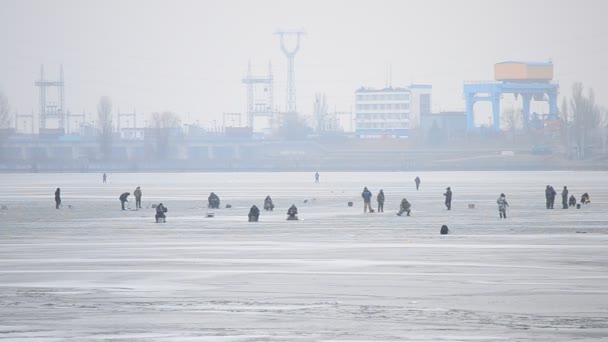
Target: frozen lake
(91,272)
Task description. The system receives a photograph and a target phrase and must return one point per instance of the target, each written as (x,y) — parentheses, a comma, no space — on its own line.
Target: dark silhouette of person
(268,205)
(417,181)
(104,177)
(57,198)
(317,177)
(550,196)
(160,216)
(448,198)
(444,230)
(214,201)
(572,201)
(585,198)
(380,199)
(292,213)
(137,194)
(405,207)
(123,199)
(565,198)
(502,206)
(254,214)
(367,200)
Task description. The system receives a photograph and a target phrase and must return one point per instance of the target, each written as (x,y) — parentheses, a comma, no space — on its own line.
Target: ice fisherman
(160,216)
(405,207)
(572,201)
(268,205)
(214,201)
(367,200)
(550,196)
(565,198)
(417,181)
(502,206)
(254,214)
(104,177)
(137,194)
(317,177)
(292,213)
(57,198)
(448,198)
(123,199)
(585,198)
(380,199)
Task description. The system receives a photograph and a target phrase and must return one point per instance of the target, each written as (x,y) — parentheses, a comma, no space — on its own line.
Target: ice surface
(95,273)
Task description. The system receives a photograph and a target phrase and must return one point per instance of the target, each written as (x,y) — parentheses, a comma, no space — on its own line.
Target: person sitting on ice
(268,205)
(292,213)
(214,201)
(572,201)
(585,198)
(405,207)
(160,213)
(254,214)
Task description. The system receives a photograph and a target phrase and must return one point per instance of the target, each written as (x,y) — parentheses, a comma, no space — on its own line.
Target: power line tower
(290,54)
(51,109)
(259,104)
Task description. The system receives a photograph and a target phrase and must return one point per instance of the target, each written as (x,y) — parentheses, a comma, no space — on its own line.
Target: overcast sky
(190,56)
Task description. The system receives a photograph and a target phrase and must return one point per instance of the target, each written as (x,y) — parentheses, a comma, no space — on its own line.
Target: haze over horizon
(190,56)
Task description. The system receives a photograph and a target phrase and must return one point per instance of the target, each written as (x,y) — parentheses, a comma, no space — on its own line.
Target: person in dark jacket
(214,201)
(585,198)
(405,207)
(254,214)
(572,201)
(104,177)
(417,181)
(160,213)
(317,177)
(448,198)
(268,205)
(137,194)
(502,206)
(550,196)
(367,200)
(380,199)
(565,198)
(123,199)
(57,198)
(292,213)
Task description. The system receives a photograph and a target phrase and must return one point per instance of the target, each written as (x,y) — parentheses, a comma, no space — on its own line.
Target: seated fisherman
(254,214)
(292,213)
(268,205)
(160,213)
(405,207)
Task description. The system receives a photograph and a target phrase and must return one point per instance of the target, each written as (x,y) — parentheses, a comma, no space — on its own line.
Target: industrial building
(390,112)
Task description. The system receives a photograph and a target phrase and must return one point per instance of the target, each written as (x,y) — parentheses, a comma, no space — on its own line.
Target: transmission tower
(290,54)
(259,104)
(48,109)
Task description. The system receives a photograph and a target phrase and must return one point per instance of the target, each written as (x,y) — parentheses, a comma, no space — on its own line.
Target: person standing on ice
(417,181)
(380,199)
(104,177)
(317,177)
(367,200)
(448,198)
(57,198)
(123,198)
(565,198)
(502,206)
(550,196)
(137,194)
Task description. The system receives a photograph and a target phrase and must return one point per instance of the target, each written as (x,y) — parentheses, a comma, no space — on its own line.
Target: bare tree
(511,119)
(293,127)
(104,124)
(587,117)
(162,123)
(5,120)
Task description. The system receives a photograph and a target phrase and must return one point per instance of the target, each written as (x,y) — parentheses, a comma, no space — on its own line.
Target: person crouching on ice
(405,207)
(254,214)
(124,198)
(292,213)
(160,213)
(268,205)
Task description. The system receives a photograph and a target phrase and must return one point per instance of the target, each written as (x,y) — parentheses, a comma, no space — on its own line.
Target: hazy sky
(190,56)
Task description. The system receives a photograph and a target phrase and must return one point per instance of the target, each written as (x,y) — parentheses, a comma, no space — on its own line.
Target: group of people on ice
(567,202)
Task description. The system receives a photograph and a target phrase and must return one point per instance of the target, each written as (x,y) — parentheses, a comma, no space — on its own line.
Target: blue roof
(528,63)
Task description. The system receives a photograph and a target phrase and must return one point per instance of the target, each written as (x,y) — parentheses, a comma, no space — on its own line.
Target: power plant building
(390,112)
